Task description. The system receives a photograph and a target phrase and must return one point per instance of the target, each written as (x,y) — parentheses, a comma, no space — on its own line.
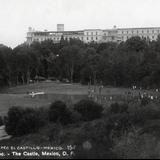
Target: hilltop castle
(93,35)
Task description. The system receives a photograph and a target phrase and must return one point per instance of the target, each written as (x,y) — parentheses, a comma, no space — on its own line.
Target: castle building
(92,35)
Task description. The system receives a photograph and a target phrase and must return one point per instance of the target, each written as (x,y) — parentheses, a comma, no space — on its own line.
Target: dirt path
(3,134)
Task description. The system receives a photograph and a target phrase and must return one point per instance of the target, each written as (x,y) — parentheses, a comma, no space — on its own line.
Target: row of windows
(154,37)
(147,37)
(140,31)
(91,33)
(56,39)
(91,38)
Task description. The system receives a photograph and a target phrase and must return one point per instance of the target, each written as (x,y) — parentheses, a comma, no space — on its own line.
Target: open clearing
(70,93)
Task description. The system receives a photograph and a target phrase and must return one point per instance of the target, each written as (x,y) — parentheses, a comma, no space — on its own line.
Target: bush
(118,108)
(118,124)
(145,101)
(88,109)
(141,115)
(135,146)
(23,121)
(59,112)
(12,120)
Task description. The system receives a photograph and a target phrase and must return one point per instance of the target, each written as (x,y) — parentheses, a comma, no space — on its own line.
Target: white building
(93,35)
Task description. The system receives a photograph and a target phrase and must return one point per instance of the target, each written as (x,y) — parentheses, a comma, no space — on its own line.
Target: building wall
(60,27)
(148,33)
(94,35)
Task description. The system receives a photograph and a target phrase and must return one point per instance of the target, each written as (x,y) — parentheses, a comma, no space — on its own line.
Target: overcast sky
(17,15)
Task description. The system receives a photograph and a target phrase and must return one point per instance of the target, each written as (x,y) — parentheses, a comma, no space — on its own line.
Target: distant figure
(152,97)
(96,98)
(134,87)
(142,96)
(100,89)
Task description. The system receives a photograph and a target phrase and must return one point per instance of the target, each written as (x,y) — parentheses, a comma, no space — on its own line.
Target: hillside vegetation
(130,131)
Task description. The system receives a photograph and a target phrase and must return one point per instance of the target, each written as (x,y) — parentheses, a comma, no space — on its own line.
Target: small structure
(36,93)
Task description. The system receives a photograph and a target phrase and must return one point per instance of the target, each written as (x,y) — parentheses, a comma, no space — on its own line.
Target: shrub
(12,120)
(118,108)
(59,112)
(23,121)
(145,101)
(135,146)
(118,124)
(141,115)
(88,109)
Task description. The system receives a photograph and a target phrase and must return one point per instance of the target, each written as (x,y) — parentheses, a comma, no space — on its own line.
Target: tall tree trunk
(22,77)
(28,77)
(17,82)
(72,73)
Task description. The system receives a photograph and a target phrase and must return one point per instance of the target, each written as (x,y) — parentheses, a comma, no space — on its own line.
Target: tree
(70,59)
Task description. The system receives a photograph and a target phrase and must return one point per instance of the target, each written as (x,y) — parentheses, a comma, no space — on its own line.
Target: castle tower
(60,27)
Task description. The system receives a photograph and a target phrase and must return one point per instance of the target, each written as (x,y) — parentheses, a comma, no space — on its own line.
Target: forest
(134,62)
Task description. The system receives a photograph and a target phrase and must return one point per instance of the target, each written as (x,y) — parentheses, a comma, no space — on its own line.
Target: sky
(17,15)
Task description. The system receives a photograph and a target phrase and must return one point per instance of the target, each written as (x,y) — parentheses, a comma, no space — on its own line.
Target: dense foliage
(88,109)
(134,62)
(24,121)
(118,108)
(59,113)
(130,132)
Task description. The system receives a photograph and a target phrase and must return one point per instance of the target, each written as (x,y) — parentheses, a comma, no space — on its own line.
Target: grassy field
(97,132)
(70,93)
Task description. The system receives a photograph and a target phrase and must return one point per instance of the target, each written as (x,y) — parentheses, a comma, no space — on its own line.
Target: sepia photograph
(79,79)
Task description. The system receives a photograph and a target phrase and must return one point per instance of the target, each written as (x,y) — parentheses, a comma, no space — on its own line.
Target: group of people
(139,93)
(134,93)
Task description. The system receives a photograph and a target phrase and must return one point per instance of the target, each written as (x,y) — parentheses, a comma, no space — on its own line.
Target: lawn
(70,93)
(18,96)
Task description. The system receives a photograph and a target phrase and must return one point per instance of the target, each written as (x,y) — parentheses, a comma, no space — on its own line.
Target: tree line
(134,62)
